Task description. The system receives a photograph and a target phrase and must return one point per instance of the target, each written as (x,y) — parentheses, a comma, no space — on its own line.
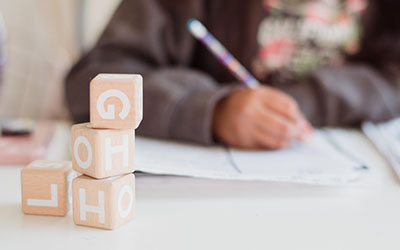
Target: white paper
(386,137)
(317,162)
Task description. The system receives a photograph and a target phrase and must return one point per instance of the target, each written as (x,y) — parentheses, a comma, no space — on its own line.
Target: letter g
(110,112)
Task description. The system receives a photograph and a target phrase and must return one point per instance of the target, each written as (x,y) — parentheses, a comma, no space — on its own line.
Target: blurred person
(321,62)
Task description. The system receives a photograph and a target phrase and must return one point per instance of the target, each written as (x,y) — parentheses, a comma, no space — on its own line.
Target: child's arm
(149,37)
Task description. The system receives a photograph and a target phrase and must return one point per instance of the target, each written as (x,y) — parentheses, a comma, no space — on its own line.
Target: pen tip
(190,22)
(196,28)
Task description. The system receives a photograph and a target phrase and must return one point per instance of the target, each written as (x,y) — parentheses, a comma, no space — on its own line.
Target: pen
(238,70)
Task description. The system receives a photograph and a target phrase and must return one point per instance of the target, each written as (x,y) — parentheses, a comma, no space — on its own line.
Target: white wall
(96,17)
(42,44)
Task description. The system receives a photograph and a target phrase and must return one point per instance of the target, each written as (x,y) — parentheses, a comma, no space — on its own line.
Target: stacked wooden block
(103,151)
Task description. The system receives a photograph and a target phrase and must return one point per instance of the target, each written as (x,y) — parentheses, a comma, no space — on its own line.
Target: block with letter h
(101,153)
(104,203)
(45,187)
(103,150)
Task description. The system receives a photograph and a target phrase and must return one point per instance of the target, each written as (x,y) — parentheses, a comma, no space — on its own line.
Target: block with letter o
(105,203)
(102,153)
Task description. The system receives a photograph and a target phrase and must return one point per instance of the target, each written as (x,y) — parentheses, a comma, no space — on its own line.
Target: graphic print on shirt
(299,36)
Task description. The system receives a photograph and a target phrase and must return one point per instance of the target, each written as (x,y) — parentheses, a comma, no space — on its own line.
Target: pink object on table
(22,149)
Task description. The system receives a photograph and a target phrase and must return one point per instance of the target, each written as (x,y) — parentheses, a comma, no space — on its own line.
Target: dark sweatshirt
(356,80)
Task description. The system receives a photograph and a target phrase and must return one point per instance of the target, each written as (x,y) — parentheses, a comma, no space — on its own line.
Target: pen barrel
(223,55)
(227,59)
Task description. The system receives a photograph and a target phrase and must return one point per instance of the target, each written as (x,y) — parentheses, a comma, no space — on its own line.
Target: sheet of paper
(386,137)
(317,162)
(166,157)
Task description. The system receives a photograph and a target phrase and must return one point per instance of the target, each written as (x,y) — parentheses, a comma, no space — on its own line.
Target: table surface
(186,213)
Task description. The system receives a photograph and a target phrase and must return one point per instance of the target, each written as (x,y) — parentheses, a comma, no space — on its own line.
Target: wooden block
(102,153)
(45,187)
(116,101)
(105,203)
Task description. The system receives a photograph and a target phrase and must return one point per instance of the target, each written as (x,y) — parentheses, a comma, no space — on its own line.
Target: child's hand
(258,119)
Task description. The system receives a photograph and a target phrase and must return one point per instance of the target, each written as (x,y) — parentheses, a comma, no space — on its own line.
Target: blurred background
(41,40)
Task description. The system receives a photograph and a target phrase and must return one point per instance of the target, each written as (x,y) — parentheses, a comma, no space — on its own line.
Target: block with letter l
(45,187)
(102,153)
(105,203)
(116,101)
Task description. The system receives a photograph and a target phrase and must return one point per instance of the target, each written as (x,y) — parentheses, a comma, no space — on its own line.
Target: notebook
(317,162)
(22,149)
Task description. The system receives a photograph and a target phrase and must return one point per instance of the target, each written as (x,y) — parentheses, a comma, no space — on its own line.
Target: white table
(184,213)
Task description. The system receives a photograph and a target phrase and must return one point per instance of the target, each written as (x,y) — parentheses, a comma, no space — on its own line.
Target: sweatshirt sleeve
(149,37)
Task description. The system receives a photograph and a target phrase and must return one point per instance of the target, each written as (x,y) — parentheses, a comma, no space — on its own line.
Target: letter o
(82,140)
(128,190)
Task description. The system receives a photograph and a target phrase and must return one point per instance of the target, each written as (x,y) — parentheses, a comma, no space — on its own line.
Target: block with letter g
(116,101)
